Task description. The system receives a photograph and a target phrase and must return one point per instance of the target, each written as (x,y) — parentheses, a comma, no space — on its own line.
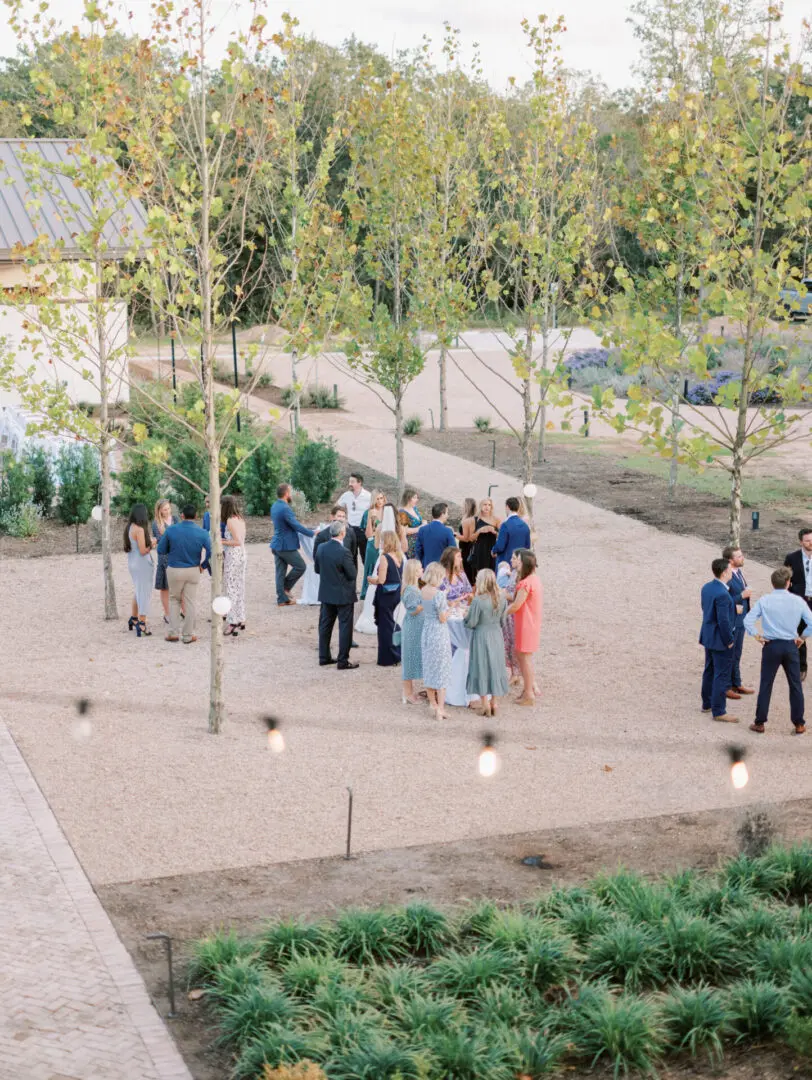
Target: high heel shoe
(132,623)
(141,629)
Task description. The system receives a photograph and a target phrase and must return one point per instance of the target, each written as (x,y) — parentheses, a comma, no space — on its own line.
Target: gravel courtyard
(618,733)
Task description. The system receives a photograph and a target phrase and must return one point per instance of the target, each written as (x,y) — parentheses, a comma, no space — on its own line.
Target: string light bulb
(276,741)
(221,605)
(530,491)
(488,758)
(739,776)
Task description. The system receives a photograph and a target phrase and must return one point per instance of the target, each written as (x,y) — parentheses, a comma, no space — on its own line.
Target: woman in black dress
(387,597)
(486,529)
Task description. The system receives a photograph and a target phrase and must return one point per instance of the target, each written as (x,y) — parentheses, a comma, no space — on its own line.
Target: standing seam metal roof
(61,215)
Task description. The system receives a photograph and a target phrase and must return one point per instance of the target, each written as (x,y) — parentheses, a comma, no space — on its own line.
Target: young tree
(752,180)
(541,164)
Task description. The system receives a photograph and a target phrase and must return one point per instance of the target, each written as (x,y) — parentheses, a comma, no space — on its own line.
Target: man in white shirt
(356,502)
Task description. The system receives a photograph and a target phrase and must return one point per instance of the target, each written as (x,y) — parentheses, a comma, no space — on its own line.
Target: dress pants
(800,631)
(183,582)
(327,617)
(287,578)
(361,537)
(738,645)
(775,655)
(716,680)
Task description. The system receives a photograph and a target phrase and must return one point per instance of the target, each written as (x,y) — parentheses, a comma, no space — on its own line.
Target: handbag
(400,614)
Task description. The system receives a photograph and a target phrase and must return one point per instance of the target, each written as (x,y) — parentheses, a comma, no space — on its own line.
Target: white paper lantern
(221,605)
(96,513)
(530,491)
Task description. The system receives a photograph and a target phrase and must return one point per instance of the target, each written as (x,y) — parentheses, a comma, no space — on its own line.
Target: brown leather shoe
(287,603)
(758,728)
(726,718)
(799,729)
(744,690)
(733,695)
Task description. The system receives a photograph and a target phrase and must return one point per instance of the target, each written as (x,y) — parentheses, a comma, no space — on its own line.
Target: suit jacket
(286,528)
(431,542)
(514,532)
(795,561)
(336,569)
(718,616)
(736,586)
(350,541)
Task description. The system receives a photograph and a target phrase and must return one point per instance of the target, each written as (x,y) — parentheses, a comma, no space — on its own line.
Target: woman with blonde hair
(483,536)
(410,518)
(234,563)
(387,584)
(411,632)
(162,518)
(436,640)
(371,523)
(487,676)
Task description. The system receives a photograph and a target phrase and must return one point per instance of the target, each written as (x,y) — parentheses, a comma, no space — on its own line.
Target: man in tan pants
(188,550)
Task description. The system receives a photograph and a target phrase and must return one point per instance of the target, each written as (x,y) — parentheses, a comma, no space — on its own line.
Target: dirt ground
(190,906)
(595,470)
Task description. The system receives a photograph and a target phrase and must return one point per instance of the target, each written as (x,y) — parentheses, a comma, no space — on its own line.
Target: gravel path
(618,732)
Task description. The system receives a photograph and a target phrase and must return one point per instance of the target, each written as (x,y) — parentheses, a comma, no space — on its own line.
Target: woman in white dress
(366,623)
(234,563)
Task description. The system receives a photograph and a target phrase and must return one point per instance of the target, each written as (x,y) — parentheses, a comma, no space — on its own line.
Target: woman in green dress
(487,675)
(410,518)
(370,523)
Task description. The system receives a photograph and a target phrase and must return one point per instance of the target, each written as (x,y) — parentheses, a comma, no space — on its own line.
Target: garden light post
(349,824)
(493,453)
(586,423)
(167,940)
(755,517)
(490,488)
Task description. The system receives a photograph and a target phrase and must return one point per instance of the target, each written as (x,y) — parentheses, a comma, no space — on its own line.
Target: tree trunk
(542,444)
(734,538)
(110,608)
(527,442)
(443,389)
(294,388)
(400,466)
(216,702)
(674,468)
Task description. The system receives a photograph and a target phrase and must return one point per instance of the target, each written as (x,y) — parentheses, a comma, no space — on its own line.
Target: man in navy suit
(800,563)
(514,533)
(434,538)
(741,596)
(718,635)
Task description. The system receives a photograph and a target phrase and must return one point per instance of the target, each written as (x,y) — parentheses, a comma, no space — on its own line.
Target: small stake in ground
(168,942)
(349,824)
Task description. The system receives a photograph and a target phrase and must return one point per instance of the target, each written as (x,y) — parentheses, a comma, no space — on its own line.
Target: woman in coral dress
(526,609)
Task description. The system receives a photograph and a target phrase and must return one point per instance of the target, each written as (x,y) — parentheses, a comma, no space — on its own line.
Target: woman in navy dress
(387,597)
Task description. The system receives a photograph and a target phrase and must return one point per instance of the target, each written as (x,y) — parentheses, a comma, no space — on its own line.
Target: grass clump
(468,1054)
(377,1059)
(366,937)
(289,939)
(463,975)
(621,1031)
(424,930)
(305,976)
(211,954)
(274,1047)
(627,954)
(757,1009)
(696,1021)
(246,1015)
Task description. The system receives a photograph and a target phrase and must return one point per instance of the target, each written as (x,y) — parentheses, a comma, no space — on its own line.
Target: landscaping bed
(621,972)
(626,480)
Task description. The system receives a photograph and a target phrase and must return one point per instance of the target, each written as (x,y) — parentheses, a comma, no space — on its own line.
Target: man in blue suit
(434,538)
(289,563)
(741,595)
(718,635)
(514,532)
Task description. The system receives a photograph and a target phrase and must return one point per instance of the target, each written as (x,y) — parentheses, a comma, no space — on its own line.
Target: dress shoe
(355,645)
(326,663)
(743,690)
(758,728)
(726,718)
(799,729)
(348,667)
(286,603)
(732,694)
(706,708)
(803,675)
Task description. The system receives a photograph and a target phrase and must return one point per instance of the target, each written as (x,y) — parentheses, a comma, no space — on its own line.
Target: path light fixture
(586,423)
(276,741)
(490,488)
(739,775)
(755,516)
(96,513)
(167,940)
(488,758)
(493,453)
(348,854)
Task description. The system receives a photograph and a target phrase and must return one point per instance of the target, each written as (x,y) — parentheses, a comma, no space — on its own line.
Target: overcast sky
(598,39)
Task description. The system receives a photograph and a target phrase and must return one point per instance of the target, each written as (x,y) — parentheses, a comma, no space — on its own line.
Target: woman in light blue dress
(138,543)
(411,631)
(436,640)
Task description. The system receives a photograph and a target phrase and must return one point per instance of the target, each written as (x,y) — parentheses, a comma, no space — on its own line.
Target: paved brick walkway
(72,1005)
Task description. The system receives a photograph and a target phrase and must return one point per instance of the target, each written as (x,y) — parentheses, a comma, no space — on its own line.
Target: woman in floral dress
(234,564)
(436,641)
(410,518)
(455,584)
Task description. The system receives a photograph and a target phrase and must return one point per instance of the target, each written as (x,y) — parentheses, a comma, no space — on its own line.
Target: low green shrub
(139,480)
(276,1046)
(211,954)
(418,1015)
(799,1035)
(246,1015)
(697,948)
(483,424)
(696,1021)
(388,984)
(41,472)
(261,475)
(304,976)
(312,397)
(15,482)
(377,1059)
(412,425)
(425,930)
(23,521)
(77,469)
(367,937)
(757,1009)
(468,1054)
(618,1030)
(233,978)
(462,974)
(314,470)
(289,939)
(627,954)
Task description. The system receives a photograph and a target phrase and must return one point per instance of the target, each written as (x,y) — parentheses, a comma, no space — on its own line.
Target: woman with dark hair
(410,519)
(234,563)
(526,608)
(138,543)
(455,584)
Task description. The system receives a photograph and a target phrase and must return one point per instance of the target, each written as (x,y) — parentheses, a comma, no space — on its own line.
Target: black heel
(132,623)
(141,629)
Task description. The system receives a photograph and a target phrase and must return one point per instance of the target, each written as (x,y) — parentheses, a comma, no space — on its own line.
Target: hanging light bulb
(739,776)
(276,741)
(488,758)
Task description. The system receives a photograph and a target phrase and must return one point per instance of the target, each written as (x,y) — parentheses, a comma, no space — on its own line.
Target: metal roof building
(61,211)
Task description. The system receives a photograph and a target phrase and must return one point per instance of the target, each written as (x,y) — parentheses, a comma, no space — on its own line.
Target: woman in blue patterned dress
(411,632)
(436,640)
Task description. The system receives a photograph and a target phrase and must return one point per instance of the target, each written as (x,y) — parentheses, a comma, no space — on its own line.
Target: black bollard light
(493,453)
(755,519)
(586,423)
(349,824)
